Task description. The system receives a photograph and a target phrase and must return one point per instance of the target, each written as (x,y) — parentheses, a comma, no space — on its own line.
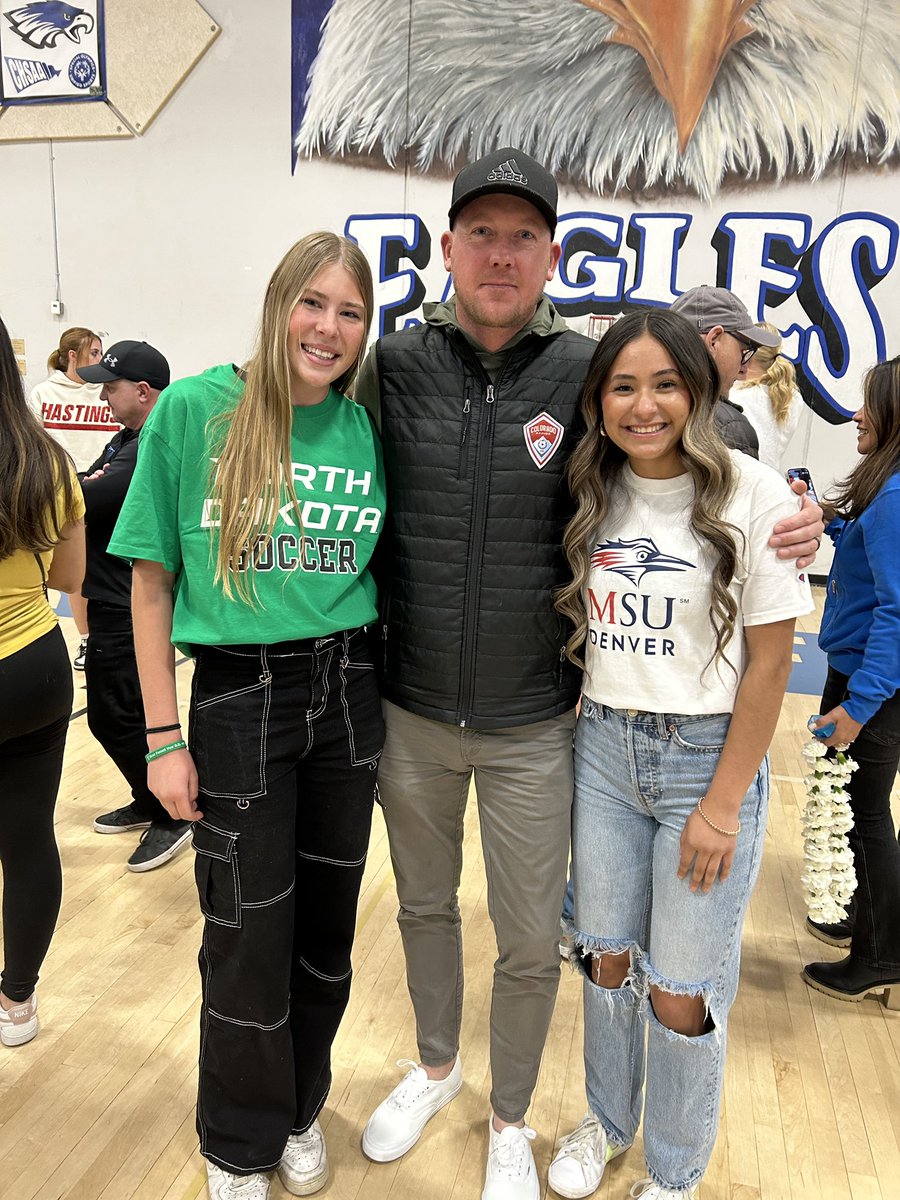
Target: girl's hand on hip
(705,854)
(173,781)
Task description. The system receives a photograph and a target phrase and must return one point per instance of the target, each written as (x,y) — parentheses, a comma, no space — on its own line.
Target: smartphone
(803,473)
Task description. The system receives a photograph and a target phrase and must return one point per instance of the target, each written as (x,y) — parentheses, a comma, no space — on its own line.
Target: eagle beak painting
(618,96)
(683,43)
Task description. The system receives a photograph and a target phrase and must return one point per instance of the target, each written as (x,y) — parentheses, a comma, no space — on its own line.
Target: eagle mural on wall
(616,95)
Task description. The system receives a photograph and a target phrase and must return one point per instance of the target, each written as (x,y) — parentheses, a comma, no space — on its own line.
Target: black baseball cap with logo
(138,361)
(510,171)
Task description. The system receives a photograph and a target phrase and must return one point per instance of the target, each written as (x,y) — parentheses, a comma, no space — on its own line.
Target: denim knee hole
(700,991)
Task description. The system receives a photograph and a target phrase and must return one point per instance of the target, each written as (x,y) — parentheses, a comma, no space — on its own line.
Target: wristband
(163,728)
(712,824)
(181,744)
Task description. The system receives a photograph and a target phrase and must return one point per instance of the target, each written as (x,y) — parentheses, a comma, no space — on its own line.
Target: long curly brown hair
(597,462)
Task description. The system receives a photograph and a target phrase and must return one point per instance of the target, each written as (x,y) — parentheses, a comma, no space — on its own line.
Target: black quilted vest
(473,548)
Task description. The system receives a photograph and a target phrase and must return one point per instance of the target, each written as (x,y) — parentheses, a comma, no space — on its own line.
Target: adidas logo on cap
(506,169)
(507,172)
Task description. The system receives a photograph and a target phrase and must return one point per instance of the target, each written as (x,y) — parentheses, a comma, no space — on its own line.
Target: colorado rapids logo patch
(543,437)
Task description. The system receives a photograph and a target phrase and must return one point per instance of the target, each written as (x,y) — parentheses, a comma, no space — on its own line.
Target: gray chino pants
(523,782)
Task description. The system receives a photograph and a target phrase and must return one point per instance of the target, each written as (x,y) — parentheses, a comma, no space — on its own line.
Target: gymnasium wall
(767,162)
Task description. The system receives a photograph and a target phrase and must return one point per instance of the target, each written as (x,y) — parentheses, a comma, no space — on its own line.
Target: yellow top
(25,613)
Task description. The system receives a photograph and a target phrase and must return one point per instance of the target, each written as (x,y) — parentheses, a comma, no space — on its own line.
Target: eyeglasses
(749,349)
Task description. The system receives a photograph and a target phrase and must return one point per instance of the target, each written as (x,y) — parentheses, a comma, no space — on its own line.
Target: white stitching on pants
(335,862)
(265,903)
(320,975)
(204,1038)
(249,1024)
(318,1108)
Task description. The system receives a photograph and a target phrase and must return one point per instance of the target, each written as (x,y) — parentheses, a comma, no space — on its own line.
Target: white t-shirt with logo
(649,592)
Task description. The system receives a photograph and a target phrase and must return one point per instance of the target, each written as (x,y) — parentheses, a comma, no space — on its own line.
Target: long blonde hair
(597,462)
(253,474)
(777,375)
(78,339)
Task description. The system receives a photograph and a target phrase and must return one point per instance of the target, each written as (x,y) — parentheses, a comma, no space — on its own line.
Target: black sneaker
(80,655)
(121,820)
(158,844)
(838,934)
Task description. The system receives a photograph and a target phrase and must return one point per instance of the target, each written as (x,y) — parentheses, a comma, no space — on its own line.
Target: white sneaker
(19,1024)
(511,1173)
(304,1164)
(397,1123)
(652,1191)
(225,1186)
(581,1159)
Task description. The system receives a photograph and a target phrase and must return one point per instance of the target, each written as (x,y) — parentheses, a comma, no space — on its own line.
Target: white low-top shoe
(225,1186)
(397,1123)
(652,1191)
(304,1165)
(19,1024)
(581,1159)
(511,1173)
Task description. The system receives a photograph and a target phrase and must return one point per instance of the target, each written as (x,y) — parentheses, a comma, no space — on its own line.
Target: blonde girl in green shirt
(253,513)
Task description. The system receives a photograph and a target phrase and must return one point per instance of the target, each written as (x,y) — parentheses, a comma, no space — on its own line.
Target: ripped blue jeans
(637,778)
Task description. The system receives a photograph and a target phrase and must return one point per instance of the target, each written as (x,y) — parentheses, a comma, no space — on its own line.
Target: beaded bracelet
(713,825)
(163,728)
(181,744)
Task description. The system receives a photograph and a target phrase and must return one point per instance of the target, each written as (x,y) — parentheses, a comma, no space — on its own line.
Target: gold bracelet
(713,825)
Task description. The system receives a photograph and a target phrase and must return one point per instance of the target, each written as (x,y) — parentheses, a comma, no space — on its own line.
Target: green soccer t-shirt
(309,582)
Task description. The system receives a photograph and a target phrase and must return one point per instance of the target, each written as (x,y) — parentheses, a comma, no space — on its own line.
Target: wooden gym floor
(100,1105)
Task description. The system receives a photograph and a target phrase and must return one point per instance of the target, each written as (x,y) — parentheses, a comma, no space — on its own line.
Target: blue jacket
(861,624)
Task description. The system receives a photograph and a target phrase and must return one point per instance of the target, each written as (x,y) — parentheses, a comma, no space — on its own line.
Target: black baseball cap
(510,171)
(138,361)
(707,306)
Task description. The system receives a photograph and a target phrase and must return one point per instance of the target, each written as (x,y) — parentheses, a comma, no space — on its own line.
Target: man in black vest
(478,409)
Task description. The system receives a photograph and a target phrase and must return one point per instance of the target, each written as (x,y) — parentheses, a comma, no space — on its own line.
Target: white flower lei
(828,878)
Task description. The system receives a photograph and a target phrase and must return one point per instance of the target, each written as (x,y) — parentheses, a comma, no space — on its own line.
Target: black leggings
(35,705)
(875,913)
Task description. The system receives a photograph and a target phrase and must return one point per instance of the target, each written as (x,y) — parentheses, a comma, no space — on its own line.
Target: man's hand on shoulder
(799,536)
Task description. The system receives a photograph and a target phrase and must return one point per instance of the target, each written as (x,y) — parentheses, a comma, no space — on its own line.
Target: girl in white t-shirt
(685,618)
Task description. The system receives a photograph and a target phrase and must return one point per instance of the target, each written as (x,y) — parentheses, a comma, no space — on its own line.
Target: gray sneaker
(158,844)
(121,820)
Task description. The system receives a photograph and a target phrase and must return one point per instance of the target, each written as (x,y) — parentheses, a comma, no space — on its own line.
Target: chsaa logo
(635,559)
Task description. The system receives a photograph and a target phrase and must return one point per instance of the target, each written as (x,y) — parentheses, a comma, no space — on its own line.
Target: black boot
(850,979)
(838,934)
